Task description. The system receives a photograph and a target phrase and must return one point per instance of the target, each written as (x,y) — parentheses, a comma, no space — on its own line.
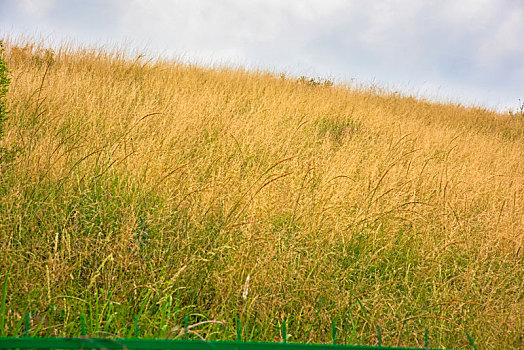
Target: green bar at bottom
(167,344)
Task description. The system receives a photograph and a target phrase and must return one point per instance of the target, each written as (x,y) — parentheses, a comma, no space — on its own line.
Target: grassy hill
(166,190)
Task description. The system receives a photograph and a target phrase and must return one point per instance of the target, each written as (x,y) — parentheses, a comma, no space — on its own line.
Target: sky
(462,51)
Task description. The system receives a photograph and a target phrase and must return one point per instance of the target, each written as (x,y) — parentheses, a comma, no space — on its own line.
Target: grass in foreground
(159,189)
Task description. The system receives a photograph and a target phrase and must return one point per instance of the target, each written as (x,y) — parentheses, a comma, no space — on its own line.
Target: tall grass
(156,188)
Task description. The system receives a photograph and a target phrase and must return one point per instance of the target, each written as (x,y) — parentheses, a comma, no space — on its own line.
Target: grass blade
(3,331)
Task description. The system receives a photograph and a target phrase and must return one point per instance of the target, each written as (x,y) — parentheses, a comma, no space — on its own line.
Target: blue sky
(466,51)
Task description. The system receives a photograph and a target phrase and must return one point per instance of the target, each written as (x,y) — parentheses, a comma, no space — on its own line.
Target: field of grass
(166,190)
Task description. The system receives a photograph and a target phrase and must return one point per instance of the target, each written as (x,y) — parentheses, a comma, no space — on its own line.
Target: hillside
(166,190)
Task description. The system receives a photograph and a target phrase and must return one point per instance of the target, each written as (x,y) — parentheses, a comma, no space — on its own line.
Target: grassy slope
(156,189)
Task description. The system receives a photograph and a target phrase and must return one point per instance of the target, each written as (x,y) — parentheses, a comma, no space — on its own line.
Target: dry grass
(156,188)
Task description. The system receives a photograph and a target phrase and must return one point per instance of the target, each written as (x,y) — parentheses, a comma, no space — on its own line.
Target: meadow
(164,190)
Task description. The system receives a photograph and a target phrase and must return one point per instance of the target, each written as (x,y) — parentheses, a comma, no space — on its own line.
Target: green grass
(154,190)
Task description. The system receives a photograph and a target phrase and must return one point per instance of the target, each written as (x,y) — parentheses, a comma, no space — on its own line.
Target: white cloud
(503,40)
(36,8)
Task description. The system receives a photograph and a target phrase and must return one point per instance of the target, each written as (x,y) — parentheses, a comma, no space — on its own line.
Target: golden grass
(162,186)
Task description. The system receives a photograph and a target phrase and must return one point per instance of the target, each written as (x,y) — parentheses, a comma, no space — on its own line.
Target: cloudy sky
(466,51)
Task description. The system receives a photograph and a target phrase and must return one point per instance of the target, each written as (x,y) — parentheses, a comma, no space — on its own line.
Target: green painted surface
(167,344)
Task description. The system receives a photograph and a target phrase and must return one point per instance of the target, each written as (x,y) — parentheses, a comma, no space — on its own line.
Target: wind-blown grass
(156,188)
